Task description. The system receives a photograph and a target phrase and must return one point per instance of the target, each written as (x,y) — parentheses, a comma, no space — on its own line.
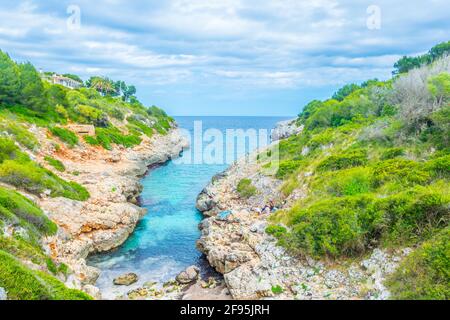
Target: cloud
(209,46)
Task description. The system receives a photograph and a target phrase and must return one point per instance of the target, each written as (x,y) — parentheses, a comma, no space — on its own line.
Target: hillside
(54,143)
(365,183)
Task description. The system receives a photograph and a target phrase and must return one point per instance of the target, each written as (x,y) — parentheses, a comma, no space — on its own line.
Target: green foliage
(9,79)
(65,135)
(287,167)
(15,208)
(350,225)
(58,165)
(22,283)
(277,231)
(351,158)
(246,189)
(425,274)
(35,179)
(439,87)
(392,153)
(107,136)
(345,91)
(277,289)
(402,171)
(406,64)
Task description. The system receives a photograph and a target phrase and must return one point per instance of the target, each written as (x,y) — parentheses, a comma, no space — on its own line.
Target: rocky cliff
(110,215)
(234,240)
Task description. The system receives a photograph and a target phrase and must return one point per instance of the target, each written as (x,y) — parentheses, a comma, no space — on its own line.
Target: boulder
(126,279)
(191,274)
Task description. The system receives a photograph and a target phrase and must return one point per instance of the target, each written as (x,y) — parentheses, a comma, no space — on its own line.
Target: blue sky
(223,57)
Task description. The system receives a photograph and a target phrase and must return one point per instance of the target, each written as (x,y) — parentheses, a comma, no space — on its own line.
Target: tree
(439,87)
(9,79)
(345,91)
(103,85)
(32,93)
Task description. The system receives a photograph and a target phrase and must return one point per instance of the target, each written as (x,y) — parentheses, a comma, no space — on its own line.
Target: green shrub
(58,165)
(350,225)
(18,209)
(277,289)
(9,150)
(347,182)
(345,160)
(65,135)
(112,135)
(20,133)
(392,153)
(276,231)
(405,172)
(287,167)
(440,167)
(91,140)
(425,274)
(36,180)
(246,189)
(22,283)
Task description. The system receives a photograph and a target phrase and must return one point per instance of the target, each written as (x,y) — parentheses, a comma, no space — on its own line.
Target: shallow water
(163,243)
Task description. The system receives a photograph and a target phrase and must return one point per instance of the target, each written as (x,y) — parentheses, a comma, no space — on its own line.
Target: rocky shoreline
(252,264)
(110,215)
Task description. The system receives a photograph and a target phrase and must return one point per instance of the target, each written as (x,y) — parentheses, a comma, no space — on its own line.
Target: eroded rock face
(254,267)
(285,129)
(110,215)
(126,279)
(191,274)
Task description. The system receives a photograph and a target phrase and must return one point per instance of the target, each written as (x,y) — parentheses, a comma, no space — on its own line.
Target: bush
(91,141)
(287,167)
(107,136)
(8,150)
(22,283)
(350,225)
(402,171)
(424,275)
(15,208)
(58,165)
(347,182)
(36,180)
(345,160)
(277,231)
(246,189)
(20,133)
(65,135)
(392,153)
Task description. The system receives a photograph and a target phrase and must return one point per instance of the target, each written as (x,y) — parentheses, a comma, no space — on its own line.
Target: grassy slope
(379,179)
(26,101)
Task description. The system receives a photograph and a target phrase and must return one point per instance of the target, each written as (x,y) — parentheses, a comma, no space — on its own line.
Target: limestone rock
(191,274)
(126,279)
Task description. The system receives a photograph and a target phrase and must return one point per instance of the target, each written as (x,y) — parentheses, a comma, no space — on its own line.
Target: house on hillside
(61,80)
(66,82)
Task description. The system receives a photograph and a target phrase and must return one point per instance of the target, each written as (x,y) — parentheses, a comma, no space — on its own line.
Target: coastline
(255,267)
(110,215)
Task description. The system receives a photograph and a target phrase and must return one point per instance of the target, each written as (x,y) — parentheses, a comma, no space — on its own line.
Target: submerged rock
(126,279)
(191,274)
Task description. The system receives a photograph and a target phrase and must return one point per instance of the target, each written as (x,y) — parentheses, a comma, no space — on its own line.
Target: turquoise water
(163,243)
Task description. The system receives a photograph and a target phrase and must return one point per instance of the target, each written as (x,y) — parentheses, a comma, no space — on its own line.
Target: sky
(223,57)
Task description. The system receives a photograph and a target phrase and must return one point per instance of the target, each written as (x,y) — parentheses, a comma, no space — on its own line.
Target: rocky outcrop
(191,274)
(126,279)
(110,215)
(285,129)
(254,267)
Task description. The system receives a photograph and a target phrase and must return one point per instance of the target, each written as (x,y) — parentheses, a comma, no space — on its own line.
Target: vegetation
(58,165)
(246,189)
(424,275)
(29,104)
(378,160)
